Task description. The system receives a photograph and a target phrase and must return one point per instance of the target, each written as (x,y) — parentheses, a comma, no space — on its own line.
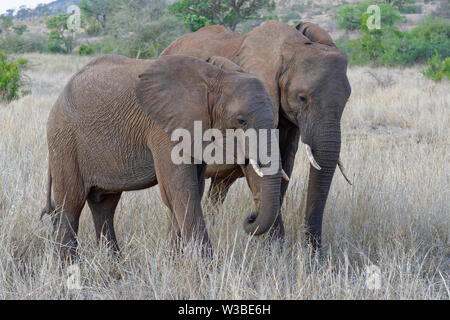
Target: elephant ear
(315,33)
(173,92)
(224,64)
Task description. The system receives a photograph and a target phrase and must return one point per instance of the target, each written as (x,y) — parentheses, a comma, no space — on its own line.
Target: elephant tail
(50,207)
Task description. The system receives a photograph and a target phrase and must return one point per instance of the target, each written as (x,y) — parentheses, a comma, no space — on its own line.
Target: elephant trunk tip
(251,225)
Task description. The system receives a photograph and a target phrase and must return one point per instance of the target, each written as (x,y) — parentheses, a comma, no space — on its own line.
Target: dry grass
(395,216)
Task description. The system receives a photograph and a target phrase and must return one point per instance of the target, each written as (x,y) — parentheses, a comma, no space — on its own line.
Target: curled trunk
(261,222)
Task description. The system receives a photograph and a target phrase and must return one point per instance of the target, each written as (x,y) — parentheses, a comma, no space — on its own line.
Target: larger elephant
(110,131)
(305,75)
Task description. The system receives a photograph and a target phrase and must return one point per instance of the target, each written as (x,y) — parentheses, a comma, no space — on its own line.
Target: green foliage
(404,6)
(60,39)
(389,46)
(5,23)
(58,22)
(200,13)
(10,77)
(85,50)
(13,43)
(53,42)
(437,68)
(20,29)
(139,29)
(97,12)
(350,16)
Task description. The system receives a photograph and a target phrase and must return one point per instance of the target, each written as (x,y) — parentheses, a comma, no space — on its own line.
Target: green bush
(389,46)
(437,68)
(350,16)
(20,29)
(85,50)
(13,43)
(10,77)
(53,43)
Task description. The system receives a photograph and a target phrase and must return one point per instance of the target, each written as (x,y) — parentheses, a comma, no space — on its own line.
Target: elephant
(305,75)
(110,129)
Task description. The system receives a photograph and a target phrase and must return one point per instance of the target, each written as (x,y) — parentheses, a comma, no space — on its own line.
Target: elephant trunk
(269,187)
(326,149)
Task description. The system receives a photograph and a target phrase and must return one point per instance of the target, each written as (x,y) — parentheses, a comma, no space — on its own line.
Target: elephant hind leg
(70,198)
(103,207)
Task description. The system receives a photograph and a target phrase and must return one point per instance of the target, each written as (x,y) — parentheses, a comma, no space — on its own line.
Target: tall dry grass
(395,216)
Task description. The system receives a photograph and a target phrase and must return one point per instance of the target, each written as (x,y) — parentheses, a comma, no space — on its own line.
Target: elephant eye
(302,98)
(241,121)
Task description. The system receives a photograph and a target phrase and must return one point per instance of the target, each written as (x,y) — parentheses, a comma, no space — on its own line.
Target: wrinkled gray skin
(109,132)
(305,75)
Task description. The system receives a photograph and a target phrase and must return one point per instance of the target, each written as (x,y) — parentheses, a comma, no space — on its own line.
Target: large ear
(224,64)
(315,33)
(173,92)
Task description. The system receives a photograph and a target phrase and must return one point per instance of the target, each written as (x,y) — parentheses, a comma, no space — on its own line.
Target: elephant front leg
(180,188)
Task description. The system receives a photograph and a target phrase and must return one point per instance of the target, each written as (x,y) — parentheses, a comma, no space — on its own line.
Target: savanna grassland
(396,216)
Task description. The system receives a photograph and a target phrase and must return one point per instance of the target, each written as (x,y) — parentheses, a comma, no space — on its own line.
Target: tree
(10,12)
(24,13)
(20,29)
(98,10)
(140,29)
(200,13)
(59,33)
(5,23)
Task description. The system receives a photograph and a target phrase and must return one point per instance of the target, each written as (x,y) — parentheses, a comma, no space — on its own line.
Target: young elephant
(110,131)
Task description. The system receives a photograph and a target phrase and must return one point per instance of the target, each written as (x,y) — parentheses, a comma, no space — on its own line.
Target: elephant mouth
(314,163)
(257,167)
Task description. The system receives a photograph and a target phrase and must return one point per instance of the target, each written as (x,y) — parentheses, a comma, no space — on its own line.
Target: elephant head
(177,90)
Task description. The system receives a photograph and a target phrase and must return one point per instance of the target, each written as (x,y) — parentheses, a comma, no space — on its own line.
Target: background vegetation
(143,28)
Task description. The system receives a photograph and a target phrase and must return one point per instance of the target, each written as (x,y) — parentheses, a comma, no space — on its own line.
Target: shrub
(389,46)
(10,77)
(437,68)
(145,36)
(20,29)
(85,50)
(350,16)
(53,43)
(13,43)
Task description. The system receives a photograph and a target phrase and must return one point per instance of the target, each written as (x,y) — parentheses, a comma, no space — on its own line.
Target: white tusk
(341,167)
(256,167)
(284,175)
(311,158)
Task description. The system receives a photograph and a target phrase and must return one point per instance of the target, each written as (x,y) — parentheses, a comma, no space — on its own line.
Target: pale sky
(15,4)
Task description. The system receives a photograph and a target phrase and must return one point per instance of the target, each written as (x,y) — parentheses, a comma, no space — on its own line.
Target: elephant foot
(68,254)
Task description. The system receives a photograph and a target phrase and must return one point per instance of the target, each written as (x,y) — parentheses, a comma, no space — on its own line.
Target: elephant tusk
(311,158)
(344,173)
(256,167)
(284,175)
